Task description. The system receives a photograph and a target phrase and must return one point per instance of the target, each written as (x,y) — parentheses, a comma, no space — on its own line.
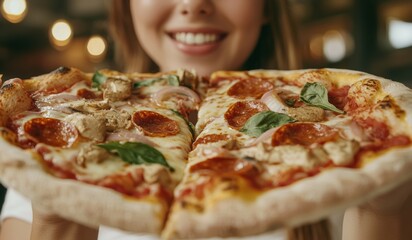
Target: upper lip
(196,30)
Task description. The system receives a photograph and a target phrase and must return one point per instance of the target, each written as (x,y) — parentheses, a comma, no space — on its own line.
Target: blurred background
(374,36)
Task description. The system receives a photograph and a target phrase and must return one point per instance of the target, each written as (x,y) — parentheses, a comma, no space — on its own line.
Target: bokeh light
(400,33)
(96,46)
(334,46)
(61,34)
(14,11)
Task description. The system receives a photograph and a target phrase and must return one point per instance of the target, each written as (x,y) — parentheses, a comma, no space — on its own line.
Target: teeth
(195,38)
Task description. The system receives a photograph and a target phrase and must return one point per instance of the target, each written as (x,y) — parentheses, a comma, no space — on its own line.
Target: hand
(388,216)
(394,202)
(47,225)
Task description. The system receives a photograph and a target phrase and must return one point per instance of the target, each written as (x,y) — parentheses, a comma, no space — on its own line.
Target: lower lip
(201,49)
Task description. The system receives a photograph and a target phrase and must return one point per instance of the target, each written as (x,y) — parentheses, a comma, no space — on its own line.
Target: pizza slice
(98,149)
(282,148)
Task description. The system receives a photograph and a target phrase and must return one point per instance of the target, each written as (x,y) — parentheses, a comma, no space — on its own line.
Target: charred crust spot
(189,205)
(62,70)
(372,84)
(389,103)
(6,87)
(386,103)
(9,136)
(230,184)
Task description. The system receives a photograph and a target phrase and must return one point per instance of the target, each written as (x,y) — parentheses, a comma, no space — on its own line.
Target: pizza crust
(60,79)
(237,217)
(334,191)
(74,200)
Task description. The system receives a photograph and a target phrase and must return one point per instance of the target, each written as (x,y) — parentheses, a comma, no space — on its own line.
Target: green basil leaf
(172,80)
(136,153)
(290,102)
(146,82)
(98,79)
(315,94)
(263,121)
(191,126)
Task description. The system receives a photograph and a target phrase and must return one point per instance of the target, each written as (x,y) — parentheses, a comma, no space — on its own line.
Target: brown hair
(276,47)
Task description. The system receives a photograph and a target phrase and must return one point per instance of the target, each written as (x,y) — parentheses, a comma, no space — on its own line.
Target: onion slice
(263,137)
(165,92)
(61,97)
(125,135)
(348,129)
(274,102)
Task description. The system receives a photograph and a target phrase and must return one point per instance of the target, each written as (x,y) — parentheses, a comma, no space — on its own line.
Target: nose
(196,7)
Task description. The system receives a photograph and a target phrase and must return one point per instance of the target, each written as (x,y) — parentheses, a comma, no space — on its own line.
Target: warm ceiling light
(334,46)
(400,33)
(14,10)
(96,48)
(61,33)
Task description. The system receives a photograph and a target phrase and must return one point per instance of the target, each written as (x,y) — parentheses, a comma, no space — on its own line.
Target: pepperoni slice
(303,134)
(86,94)
(374,129)
(251,87)
(211,138)
(154,124)
(338,96)
(51,131)
(225,165)
(239,112)
(126,183)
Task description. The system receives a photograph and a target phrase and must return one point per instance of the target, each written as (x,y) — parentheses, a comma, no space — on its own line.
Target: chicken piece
(307,114)
(85,106)
(91,154)
(114,119)
(188,78)
(342,152)
(89,126)
(117,89)
(155,173)
(292,155)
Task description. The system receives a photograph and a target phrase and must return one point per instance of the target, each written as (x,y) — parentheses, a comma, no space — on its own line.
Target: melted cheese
(96,171)
(341,152)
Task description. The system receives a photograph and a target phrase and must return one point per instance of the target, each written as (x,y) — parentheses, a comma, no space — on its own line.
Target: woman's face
(205,35)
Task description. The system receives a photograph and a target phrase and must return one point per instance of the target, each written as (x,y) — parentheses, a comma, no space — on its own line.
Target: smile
(190,38)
